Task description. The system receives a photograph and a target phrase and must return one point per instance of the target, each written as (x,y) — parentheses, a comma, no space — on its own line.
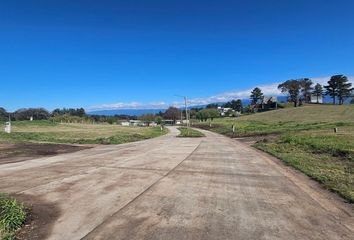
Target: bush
(12,216)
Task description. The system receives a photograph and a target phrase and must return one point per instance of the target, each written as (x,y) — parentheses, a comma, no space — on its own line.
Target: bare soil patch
(40,220)
(260,138)
(10,153)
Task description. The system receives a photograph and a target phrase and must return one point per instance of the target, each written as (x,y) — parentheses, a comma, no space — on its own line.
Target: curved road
(175,188)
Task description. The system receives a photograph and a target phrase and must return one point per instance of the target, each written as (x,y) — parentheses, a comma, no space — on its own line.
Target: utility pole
(186,108)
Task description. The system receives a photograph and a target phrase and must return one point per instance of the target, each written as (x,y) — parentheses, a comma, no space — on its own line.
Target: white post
(8,127)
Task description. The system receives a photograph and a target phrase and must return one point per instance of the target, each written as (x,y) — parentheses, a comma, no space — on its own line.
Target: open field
(49,132)
(35,139)
(311,117)
(189,132)
(304,138)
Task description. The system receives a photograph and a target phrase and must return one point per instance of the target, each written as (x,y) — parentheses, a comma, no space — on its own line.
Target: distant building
(136,123)
(223,111)
(126,123)
(315,99)
(168,122)
(268,102)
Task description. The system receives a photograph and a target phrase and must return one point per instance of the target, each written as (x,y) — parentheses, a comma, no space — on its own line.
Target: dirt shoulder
(10,153)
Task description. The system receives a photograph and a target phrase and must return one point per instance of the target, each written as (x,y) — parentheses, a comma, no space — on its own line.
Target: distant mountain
(130,112)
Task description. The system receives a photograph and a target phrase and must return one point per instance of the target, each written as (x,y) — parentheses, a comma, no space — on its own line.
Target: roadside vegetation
(45,131)
(305,139)
(189,132)
(12,217)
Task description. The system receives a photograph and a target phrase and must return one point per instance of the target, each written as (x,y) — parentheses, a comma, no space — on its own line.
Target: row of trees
(27,113)
(80,112)
(338,86)
(68,115)
(4,115)
(300,90)
(173,113)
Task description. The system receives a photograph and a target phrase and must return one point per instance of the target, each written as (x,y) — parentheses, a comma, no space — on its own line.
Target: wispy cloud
(131,105)
(267,89)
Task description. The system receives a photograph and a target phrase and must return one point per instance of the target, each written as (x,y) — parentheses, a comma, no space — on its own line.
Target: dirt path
(175,188)
(18,152)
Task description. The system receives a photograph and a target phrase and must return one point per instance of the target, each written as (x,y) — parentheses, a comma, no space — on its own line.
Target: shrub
(12,216)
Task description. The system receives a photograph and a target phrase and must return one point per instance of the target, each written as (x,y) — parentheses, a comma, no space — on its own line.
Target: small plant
(12,216)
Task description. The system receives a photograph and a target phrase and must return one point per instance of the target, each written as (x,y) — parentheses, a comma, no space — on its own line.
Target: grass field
(49,132)
(189,132)
(304,138)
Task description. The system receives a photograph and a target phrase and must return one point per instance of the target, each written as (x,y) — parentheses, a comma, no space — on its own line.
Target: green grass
(310,117)
(12,217)
(48,132)
(318,161)
(304,140)
(189,132)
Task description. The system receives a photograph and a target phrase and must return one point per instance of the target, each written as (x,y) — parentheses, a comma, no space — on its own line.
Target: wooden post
(335,130)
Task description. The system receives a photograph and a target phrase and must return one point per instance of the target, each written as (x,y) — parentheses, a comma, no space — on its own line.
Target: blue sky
(119,54)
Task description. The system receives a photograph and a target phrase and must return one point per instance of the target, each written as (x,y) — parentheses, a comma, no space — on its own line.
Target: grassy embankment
(49,132)
(12,217)
(189,132)
(304,138)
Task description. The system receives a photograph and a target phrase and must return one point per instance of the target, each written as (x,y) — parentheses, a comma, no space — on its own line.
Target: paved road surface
(175,188)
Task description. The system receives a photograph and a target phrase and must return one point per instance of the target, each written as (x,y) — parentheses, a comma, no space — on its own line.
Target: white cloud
(267,89)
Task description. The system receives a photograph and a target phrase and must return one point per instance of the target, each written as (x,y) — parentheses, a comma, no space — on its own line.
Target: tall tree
(147,118)
(234,104)
(292,88)
(4,116)
(318,91)
(212,105)
(331,88)
(172,113)
(306,88)
(256,95)
(344,88)
(237,105)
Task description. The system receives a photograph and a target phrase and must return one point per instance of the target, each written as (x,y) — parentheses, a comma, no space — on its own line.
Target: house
(136,123)
(268,102)
(125,123)
(223,111)
(168,122)
(315,99)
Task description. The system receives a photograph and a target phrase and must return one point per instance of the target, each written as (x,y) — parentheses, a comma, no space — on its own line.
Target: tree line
(299,90)
(67,115)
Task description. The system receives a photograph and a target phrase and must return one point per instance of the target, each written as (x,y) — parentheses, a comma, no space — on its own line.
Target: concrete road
(175,188)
